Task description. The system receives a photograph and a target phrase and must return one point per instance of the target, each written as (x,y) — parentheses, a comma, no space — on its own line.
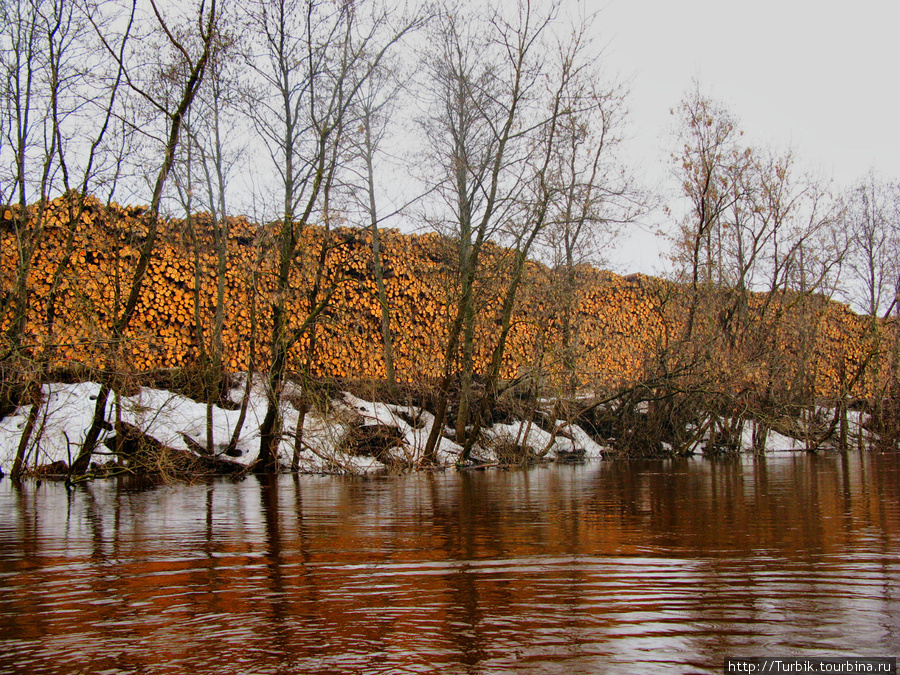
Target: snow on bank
(568,441)
(66,410)
(775,442)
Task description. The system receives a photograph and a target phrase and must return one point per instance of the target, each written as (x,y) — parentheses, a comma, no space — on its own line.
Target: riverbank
(404,361)
(152,430)
(347,434)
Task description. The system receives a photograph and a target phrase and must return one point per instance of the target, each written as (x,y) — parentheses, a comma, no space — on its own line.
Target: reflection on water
(665,566)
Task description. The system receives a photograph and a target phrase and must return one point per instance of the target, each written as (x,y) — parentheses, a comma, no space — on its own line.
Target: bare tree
(580,198)
(756,254)
(99,165)
(873,229)
(43,46)
(481,79)
(873,221)
(377,105)
(314,59)
(54,120)
(192,48)
(215,143)
(710,163)
(594,197)
(508,90)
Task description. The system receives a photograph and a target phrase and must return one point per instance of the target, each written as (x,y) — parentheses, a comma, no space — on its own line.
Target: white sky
(819,76)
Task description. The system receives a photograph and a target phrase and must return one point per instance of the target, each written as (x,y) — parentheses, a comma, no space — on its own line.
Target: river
(605,567)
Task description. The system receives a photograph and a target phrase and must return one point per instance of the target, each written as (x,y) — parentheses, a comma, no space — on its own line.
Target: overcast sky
(821,77)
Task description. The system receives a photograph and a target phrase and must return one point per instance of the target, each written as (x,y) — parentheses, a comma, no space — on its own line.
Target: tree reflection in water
(606,567)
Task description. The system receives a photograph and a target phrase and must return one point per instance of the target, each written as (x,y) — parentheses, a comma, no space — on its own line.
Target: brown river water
(604,567)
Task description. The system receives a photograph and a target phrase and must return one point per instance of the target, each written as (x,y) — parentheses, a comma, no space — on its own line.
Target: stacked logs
(614,327)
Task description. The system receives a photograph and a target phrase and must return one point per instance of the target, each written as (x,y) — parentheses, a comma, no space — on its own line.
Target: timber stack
(612,329)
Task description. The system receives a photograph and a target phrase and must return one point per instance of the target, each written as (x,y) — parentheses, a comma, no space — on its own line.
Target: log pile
(87,254)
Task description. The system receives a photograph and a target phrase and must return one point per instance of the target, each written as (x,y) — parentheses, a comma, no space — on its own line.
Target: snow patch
(65,413)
